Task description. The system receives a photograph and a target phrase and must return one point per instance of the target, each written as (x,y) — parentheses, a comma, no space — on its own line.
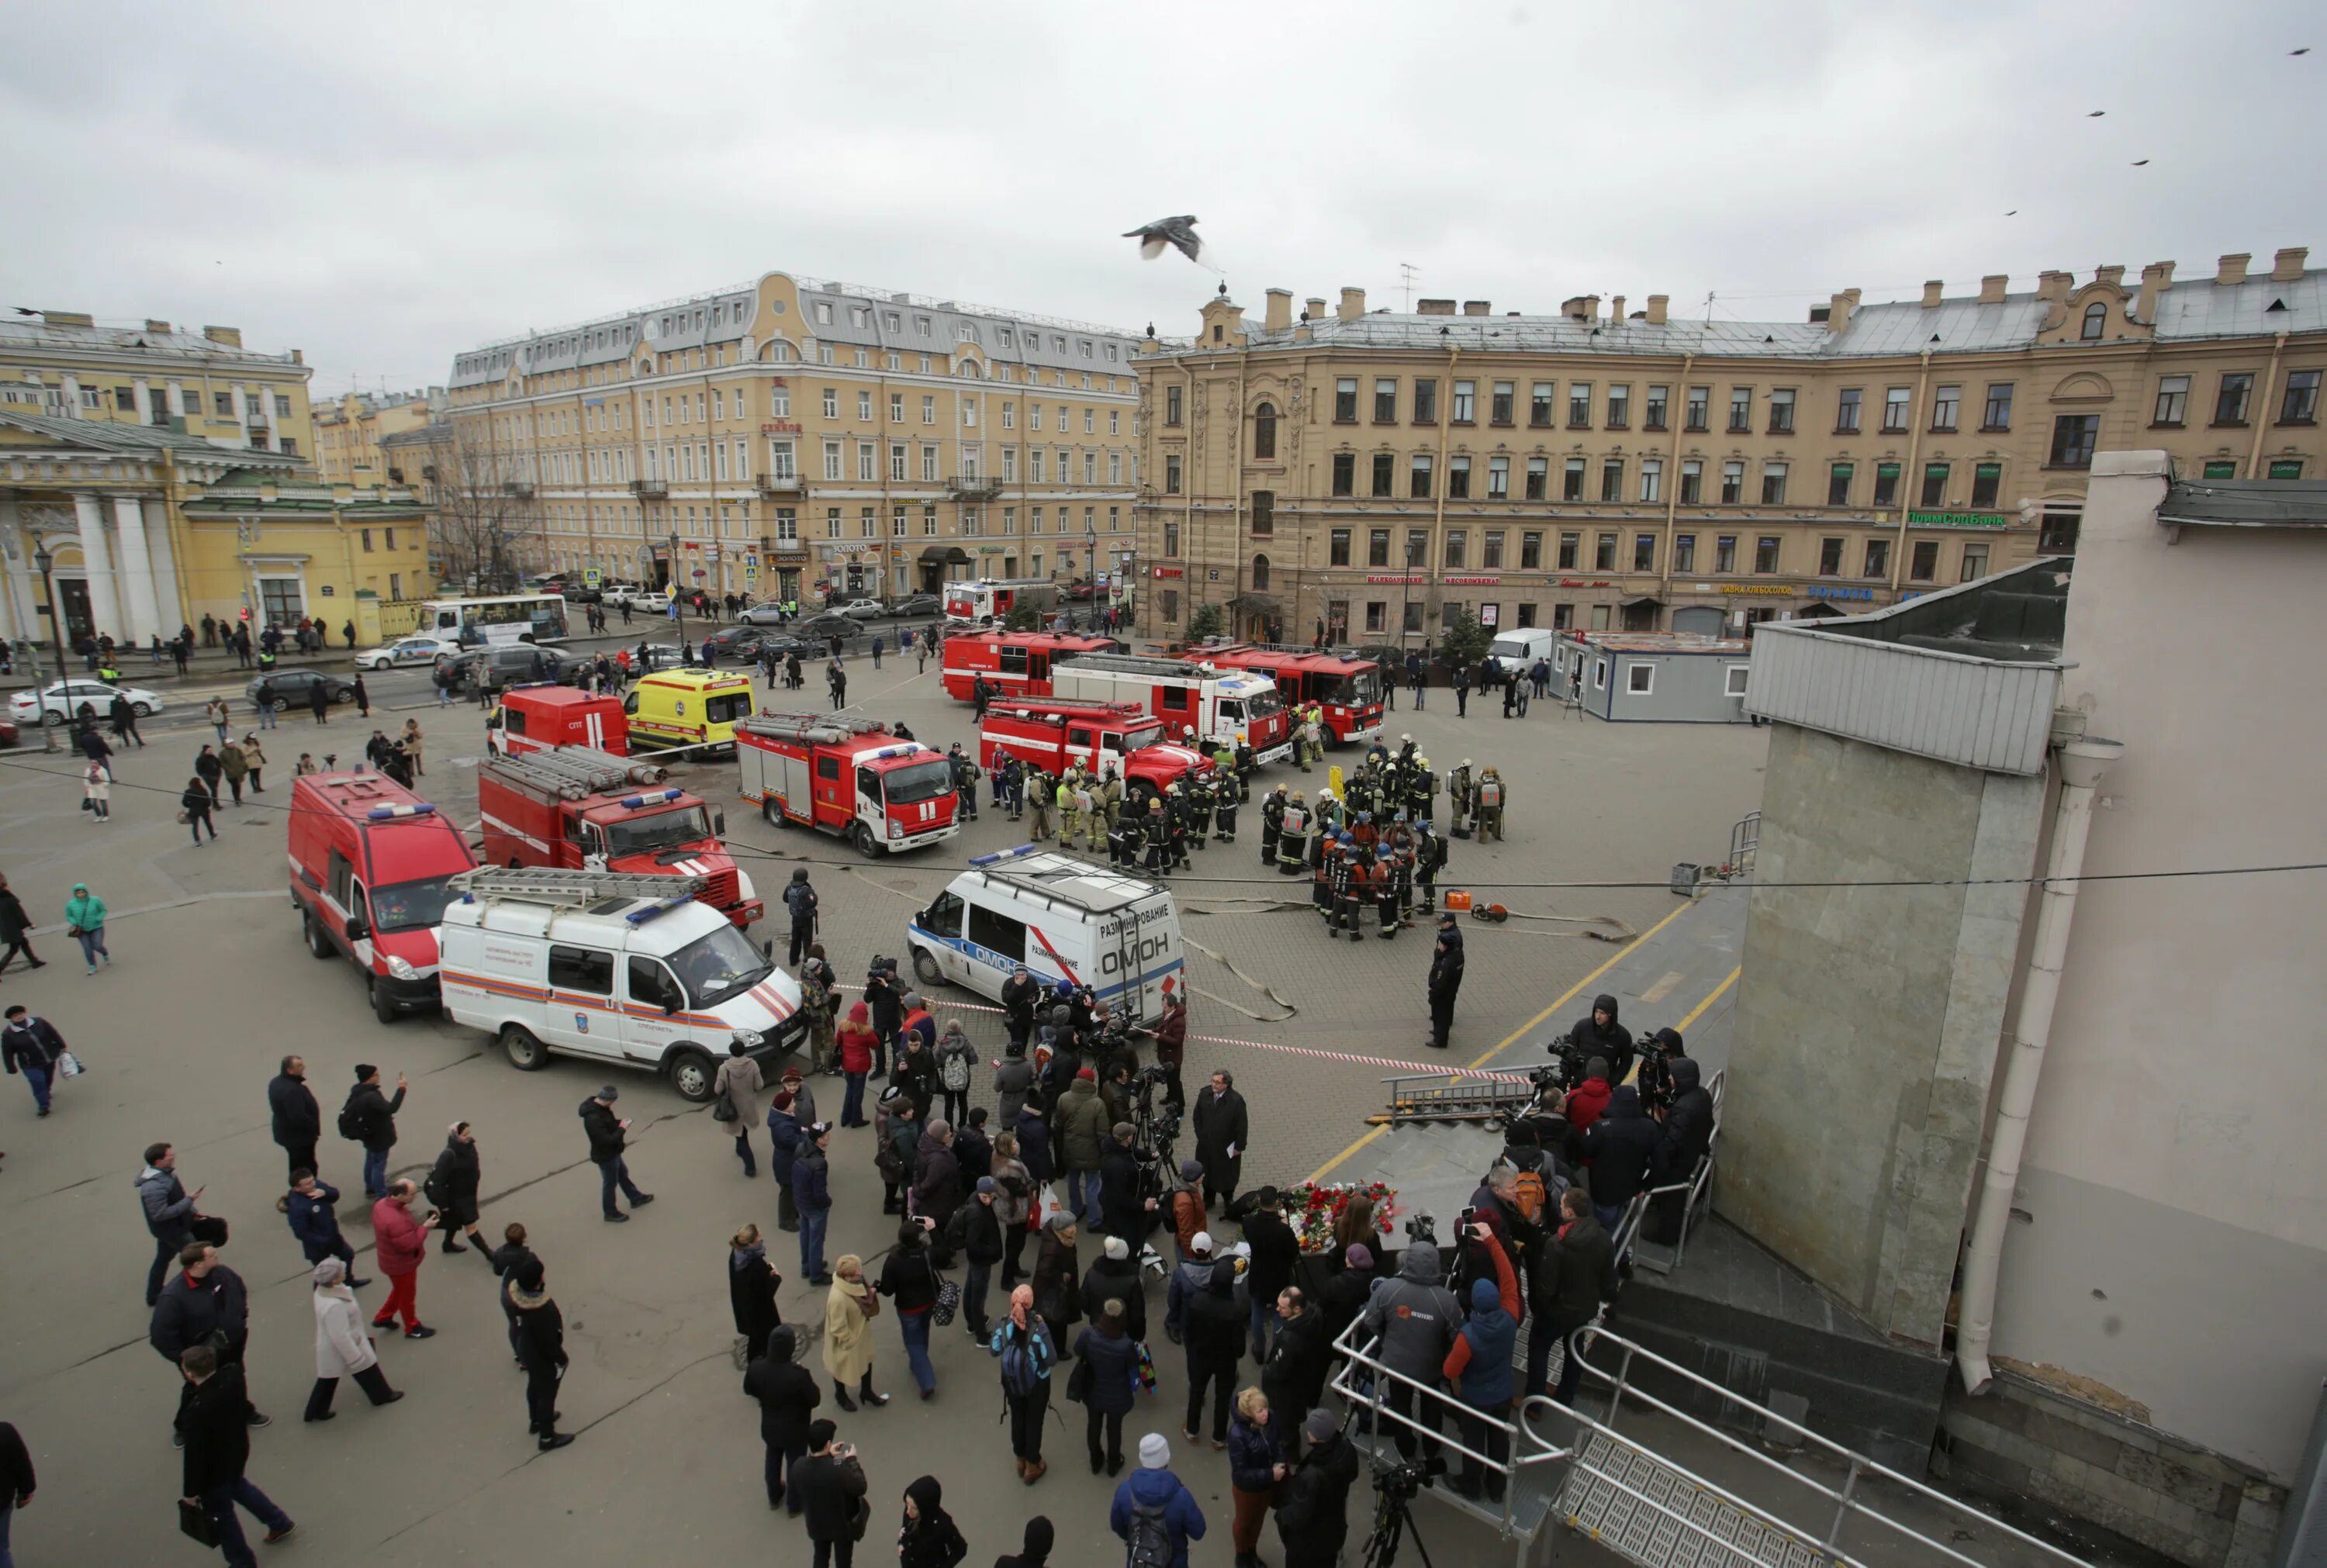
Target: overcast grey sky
(383,185)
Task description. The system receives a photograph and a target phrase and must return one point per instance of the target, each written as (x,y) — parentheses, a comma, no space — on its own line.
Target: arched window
(1263,430)
(1260,573)
(2096,319)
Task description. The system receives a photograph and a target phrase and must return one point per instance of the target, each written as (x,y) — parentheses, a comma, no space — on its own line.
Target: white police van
(621,967)
(1063,919)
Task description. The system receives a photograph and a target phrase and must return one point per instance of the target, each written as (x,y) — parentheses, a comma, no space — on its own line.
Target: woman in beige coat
(342,1349)
(411,738)
(848,1313)
(739,1080)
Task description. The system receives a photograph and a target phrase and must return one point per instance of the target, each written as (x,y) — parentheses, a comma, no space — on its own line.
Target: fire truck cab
(1349,690)
(371,864)
(578,809)
(846,776)
(544,716)
(1050,733)
(981,601)
(1218,704)
(1014,664)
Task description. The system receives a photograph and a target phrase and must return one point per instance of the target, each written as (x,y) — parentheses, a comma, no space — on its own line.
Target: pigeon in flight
(2304,50)
(2141,162)
(2095,114)
(1179,231)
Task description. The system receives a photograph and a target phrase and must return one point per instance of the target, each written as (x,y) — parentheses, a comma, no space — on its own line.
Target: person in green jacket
(85,919)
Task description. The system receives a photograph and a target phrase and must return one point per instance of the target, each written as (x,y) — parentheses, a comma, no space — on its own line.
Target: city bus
(503,617)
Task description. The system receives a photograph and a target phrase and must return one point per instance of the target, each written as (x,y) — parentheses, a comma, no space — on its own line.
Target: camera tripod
(1393,1521)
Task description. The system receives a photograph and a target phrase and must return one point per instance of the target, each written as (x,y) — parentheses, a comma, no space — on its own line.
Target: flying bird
(2095,114)
(2140,163)
(1179,232)
(2304,50)
(2014,213)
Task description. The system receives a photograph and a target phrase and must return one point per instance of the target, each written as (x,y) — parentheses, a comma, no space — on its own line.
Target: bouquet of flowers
(1316,1209)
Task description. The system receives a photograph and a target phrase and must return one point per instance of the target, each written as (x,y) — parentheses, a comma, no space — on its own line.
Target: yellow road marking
(1561,1001)
(1698,1011)
(1658,992)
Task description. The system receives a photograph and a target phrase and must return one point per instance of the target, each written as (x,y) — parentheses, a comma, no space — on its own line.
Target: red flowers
(1321,1207)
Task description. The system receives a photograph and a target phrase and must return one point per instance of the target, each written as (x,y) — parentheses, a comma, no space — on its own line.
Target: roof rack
(1140,664)
(830,729)
(570,890)
(573,772)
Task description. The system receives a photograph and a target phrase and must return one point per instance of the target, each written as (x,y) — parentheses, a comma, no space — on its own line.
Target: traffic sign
(592,576)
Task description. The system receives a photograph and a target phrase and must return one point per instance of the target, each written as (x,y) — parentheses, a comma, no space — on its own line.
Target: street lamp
(41,562)
(677,604)
(1406,590)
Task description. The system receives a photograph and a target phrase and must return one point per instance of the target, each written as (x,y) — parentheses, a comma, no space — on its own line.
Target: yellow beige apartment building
(349,431)
(165,473)
(790,433)
(1369,471)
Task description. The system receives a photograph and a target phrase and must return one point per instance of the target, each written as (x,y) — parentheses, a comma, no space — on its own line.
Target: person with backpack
(1312,1512)
(1491,798)
(926,1537)
(896,1134)
(1013,1202)
(909,1278)
(452,1186)
(1023,1344)
(956,1059)
(1153,1512)
(369,1118)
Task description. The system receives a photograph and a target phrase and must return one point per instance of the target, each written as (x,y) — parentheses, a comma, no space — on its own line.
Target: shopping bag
(69,1066)
(1146,1374)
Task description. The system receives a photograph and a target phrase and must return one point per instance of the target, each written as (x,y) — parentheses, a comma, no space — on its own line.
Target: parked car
(511,664)
(1078,592)
(578,593)
(9,734)
(652,599)
(861,610)
(828,626)
(58,701)
(283,689)
(917,604)
(767,613)
(742,641)
(405,652)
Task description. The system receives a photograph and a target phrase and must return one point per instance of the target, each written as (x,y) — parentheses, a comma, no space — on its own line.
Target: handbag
(864,1519)
(183,817)
(948,1302)
(1145,1375)
(1079,1381)
(194,1524)
(723,1109)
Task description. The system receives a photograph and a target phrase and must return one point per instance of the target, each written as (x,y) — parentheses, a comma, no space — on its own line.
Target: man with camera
(1313,1514)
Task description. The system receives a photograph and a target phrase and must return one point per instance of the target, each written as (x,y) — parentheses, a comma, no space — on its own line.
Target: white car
(860,610)
(405,651)
(58,701)
(653,600)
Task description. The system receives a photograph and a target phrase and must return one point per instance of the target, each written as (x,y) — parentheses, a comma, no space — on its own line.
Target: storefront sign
(1779,589)
(1487,613)
(1958,520)
(780,427)
(1826,591)
(1474,582)
(990,549)
(1580,582)
(1409,577)
(1168,572)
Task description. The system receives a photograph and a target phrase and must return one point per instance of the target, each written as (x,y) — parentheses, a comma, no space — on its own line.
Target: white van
(1064,918)
(616,965)
(1515,652)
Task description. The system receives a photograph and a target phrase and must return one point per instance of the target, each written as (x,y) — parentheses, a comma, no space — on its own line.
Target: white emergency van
(1063,919)
(1514,652)
(621,967)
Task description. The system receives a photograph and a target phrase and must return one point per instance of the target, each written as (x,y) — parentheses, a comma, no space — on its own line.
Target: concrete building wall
(1868,1016)
(2174,1263)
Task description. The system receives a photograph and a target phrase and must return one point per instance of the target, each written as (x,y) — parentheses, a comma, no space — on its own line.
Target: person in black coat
(1122,1211)
(206,1305)
(1621,1148)
(1446,962)
(297,1120)
(1112,1352)
(1041,1537)
(1687,1138)
(1293,1377)
(881,997)
(926,1537)
(1313,1515)
(1214,1334)
(16,930)
(1346,1292)
(829,1484)
(1115,1277)
(787,1392)
(1567,1280)
(373,1114)
(452,1188)
(1276,1251)
(213,1418)
(751,1286)
(1599,1032)
(505,1259)
(540,1350)
(1221,1131)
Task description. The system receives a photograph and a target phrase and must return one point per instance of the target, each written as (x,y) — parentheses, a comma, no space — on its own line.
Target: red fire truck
(1016,664)
(1219,704)
(1048,733)
(981,600)
(845,776)
(575,808)
(1349,690)
(544,716)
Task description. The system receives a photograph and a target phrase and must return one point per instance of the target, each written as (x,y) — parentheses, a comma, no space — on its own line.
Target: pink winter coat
(402,1245)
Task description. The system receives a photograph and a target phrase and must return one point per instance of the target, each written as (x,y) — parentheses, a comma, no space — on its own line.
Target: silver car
(860,610)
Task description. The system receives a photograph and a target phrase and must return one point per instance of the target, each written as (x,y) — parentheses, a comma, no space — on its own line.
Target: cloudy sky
(383,185)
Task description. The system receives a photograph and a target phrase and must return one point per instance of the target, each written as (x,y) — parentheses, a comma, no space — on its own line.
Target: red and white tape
(1416,1068)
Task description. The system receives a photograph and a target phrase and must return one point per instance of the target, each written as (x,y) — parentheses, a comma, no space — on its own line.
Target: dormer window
(2096,321)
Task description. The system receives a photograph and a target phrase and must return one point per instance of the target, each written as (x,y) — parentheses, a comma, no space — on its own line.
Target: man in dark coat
(1221,1131)
(373,1114)
(1019,994)
(32,1046)
(1122,1211)
(937,1179)
(1293,1373)
(1312,1519)
(607,1134)
(828,1485)
(319,702)
(787,1392)
(540,1350)
(316,1224)
(1567,1282)
(298,1122)
(213,1420)
(206,1304)
(1276,1251)
(1600,1033)
(1688,1135)
(1446,962)
(1621,1148)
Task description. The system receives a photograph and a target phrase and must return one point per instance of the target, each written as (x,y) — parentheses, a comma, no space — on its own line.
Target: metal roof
(107,436)
(2246,503)
(2207,309)
(27,334)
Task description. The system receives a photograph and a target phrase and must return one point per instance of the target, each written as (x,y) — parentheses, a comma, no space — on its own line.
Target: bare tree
(486,522)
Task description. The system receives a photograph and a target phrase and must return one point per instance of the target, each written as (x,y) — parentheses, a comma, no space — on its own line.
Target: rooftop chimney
(2288,267)
(1435,307)
(1839,308)
(153,326)
(2155,279)
(1353,303)
(1477,308)
(1657,304)
(1591,307)
(226,337)
(1279,315)
(2053,287)
(2234,268)
(1932,292)
(1992,287)
(2112,275)
(67,319)
(1316,310)
(1616,309)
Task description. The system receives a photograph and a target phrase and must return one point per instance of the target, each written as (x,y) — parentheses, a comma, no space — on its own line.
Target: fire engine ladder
(823,729)
(573,772)
(1444,1096)
(575,889)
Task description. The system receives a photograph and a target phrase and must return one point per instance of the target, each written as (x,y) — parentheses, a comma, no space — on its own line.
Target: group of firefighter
(1374,844)
(1094,808)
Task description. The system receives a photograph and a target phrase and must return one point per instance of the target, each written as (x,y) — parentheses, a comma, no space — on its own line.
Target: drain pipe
(2082,762)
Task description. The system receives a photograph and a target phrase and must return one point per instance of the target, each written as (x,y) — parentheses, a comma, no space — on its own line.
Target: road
(210,987)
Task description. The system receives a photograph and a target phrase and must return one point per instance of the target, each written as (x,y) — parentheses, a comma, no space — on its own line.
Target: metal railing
(1847,1507)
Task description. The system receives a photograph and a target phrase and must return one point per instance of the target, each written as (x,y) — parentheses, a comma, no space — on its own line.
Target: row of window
(710,406)
(776,351)
(965,332)
(1038,467)
(732,523)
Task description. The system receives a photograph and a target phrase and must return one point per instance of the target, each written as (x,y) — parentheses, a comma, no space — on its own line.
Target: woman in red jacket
(1171,1045)
(403,1243)
(858,1044)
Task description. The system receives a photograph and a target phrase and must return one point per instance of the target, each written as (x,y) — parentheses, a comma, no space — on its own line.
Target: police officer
(1272,823)
(800,899)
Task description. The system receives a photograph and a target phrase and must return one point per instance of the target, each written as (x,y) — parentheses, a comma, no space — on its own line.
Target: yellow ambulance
(693,708)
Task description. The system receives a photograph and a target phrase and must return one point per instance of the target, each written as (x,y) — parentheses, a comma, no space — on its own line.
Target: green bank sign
(1958,520)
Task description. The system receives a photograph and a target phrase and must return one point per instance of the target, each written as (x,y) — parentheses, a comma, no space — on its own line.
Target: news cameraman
(1412,1319)
(1599,1033)
(1688,1135)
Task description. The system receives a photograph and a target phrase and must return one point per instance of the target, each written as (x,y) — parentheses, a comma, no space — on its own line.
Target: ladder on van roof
(571,772)
(574,888)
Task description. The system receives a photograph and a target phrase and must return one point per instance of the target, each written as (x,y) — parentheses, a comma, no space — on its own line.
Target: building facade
(1370,470)
(790,433)
(110,435)
(349,432)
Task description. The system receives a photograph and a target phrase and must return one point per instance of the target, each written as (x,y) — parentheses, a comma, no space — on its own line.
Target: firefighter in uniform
(1224,759)
(1071,817)
(1422,785)
(1129,837)
(1159,845)
(1491,805)
(1272,823)
(1348,870)
(1388,905)
(1200,811)
(1321,881)
(1110,797)
(1224,810)
(1458,790)
(1043,793)
(1293,841)
(1094,824)
(1429,854)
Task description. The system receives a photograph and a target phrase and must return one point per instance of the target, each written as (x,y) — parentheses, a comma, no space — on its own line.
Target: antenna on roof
(1407,273)
(1708,307)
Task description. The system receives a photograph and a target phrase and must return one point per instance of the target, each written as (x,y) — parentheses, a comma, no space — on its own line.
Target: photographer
(1123,1211)
(1172,1046)
(1688,1133)
(1598,1034)
(1621,1148)
(1567,1282)
(1412,1318)
(1020,992)
(1312,1514)
(828,1484)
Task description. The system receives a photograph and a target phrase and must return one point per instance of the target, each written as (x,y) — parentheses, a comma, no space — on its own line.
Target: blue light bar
(383,812)
(1004,854)
(633,802)
(661,905)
